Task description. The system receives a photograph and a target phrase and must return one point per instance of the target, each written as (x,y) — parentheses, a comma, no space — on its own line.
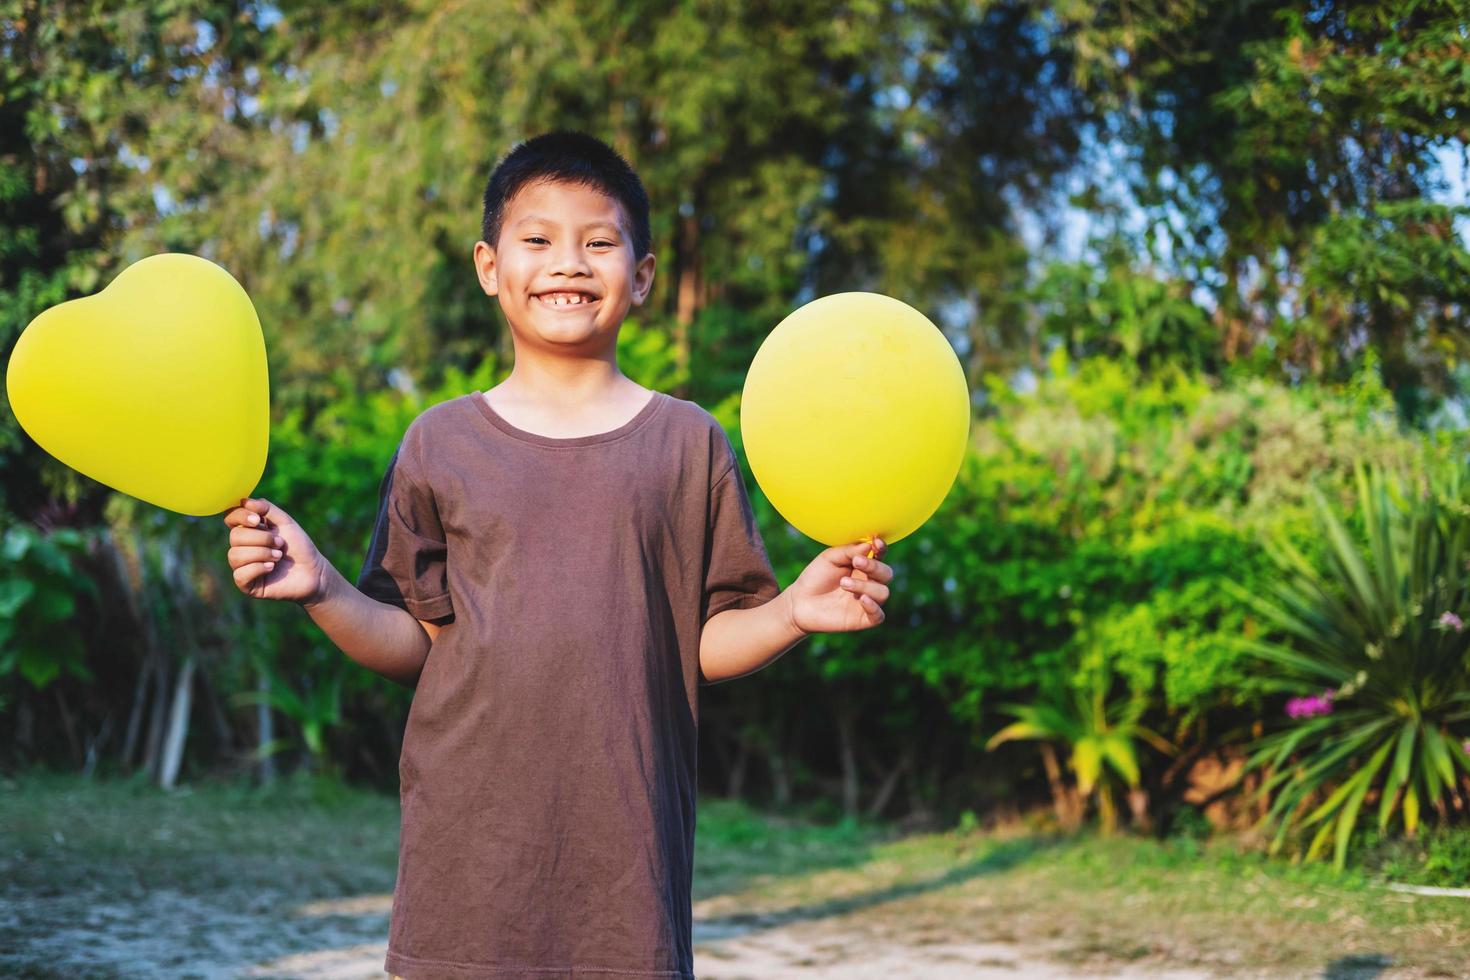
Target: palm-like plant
(1099,735)
(316,711)
(1381,631)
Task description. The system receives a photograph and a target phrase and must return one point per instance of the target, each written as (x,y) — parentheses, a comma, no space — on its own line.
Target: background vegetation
(1205,265)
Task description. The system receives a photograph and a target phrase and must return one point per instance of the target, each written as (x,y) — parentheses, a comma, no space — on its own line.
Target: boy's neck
(567,385)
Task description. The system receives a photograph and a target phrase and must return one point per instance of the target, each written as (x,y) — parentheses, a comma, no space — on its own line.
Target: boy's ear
(643,278)
(485,268)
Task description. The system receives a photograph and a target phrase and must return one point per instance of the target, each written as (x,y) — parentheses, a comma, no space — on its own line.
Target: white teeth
(565,299)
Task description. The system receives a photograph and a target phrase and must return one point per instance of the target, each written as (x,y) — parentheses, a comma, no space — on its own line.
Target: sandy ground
(169,934)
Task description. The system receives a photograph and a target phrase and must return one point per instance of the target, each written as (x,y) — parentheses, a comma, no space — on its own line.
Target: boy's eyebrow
(532,218)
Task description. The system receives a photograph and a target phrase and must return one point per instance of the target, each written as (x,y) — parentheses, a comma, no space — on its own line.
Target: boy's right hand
(296,573)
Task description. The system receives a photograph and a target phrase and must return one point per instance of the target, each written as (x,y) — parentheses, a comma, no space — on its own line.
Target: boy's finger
(246,555)
(255,537)
(246,574)
(877,590)
(844,554)
(238,517)
(271,515)
(873,568)
(241,515)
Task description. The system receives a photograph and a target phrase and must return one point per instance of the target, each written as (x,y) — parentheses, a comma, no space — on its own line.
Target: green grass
(67,844)
(1216,906)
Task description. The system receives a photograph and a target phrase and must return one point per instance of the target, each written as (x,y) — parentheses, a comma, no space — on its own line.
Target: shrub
(1377,659)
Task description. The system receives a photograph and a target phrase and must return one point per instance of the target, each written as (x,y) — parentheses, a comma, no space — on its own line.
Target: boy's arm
(840,591)
(737,642)
(383,638)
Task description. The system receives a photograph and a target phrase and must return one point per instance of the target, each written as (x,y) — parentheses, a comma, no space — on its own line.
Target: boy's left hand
(841,590)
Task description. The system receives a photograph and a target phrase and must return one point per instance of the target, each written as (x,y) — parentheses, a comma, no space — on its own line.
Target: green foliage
(343,184)
(649,358)
(41,592)
(1286,155)
(1099,732)
(1122,502)
(1377,627)
(1115,309)
(313,712)
(1438,856)
(1400,269)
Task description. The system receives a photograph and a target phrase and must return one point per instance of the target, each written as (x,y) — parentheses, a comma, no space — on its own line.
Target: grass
(75,850)
(1215,906)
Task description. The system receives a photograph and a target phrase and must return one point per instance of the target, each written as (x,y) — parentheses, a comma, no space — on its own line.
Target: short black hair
(576,158)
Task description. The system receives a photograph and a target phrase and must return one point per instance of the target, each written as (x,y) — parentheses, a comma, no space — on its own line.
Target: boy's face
(564,269)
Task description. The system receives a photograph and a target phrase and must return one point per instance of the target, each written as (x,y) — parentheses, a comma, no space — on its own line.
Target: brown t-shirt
(548,764)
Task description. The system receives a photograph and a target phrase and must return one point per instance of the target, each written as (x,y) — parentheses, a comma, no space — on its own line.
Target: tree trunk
(770,743)
(94,746)
(264,719)
(921,811)
(736,784)
(1107,809)
(889,784)
(847,745)
(687,299)
(1064,799)
(135,713)
(164,706)
(69,726)
(265,726)
(224,733)
(178,726)
(25,724)
(122,571)
(157,716)
(1138,809)
(780,776)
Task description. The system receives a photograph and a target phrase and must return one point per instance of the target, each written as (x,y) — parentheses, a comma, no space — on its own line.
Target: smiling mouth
(566,300)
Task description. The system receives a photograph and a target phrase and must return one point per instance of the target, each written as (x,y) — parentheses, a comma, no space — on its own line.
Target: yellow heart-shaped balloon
(855,418)
(156,386)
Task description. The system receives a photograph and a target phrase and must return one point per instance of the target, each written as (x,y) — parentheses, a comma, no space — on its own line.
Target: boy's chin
(574,336)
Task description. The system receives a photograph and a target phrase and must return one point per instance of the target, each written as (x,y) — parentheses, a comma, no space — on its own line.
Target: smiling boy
(557,564)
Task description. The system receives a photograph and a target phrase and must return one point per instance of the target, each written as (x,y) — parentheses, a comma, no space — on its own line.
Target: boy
(557,565)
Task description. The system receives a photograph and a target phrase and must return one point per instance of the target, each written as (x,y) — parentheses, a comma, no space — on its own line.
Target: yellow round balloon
(156,386)
(855,418)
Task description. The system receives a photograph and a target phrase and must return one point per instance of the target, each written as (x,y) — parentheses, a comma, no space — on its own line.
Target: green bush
(1378,657)
(1098,517)
(40,589)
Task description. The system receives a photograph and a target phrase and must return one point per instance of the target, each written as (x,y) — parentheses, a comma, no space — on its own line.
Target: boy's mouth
(566,298)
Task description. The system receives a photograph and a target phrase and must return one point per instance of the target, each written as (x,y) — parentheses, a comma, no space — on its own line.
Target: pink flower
(1450,621)
(1309,707)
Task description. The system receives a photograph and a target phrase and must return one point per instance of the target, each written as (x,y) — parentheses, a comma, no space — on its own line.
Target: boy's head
(565,240)
(570,158)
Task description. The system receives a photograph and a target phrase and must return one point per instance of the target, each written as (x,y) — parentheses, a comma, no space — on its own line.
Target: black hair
(575,158)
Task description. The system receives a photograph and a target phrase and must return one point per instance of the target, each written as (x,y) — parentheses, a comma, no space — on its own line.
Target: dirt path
(801,950)
(169,934)
(107,880)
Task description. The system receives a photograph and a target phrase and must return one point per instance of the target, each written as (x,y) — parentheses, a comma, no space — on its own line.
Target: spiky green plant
(1380,625)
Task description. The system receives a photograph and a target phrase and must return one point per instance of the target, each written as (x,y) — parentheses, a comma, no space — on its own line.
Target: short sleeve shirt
(547,775)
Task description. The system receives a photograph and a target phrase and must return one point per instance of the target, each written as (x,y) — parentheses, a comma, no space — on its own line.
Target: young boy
(558,563)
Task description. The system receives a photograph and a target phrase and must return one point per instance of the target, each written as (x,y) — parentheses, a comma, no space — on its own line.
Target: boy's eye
(600,243)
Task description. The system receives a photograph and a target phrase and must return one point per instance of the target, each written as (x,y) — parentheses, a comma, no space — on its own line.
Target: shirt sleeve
(407,562)
(738,574)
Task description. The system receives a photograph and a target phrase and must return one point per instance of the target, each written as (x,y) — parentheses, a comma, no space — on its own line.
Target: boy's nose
(569,261)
